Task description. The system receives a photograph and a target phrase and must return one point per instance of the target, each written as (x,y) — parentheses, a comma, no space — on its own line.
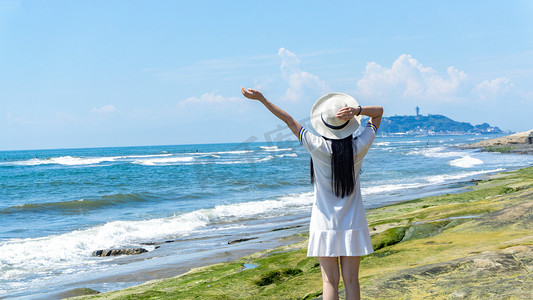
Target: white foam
(287,155)
(163,161)
(251,160)
(145,156)
(231,152)
(74,161)
(407,142)
(440,152)
(274,148)
(217,153)
(234,162)
(65,160)
(389,188)
(382,144)
(466,162)
(448,177)
(421,182)
(265,158)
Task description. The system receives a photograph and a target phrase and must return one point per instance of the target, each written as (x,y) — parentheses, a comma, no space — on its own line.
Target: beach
(190,206)
(469,245)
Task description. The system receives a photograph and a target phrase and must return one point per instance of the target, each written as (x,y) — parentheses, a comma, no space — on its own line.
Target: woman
(338,229)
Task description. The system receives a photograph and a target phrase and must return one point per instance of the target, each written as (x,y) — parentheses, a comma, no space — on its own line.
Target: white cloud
(409,79)
(210,98)
(493,88)
(301,84)
(211,105)
(106,109)
(11,118)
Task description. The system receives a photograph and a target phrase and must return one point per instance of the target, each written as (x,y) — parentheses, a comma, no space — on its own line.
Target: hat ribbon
(333,126)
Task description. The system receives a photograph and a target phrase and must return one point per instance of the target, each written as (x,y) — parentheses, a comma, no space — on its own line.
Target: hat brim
(322,129)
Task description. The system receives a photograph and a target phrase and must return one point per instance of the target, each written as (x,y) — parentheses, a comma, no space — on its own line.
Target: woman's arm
(374,112)
(293,125)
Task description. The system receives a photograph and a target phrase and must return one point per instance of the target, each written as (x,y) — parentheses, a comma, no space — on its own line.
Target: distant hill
(431,124)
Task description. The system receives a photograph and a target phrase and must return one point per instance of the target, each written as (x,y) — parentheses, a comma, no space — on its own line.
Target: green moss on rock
(277,276)
(388,237)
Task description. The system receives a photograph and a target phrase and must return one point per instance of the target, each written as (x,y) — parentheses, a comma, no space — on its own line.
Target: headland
(521,142)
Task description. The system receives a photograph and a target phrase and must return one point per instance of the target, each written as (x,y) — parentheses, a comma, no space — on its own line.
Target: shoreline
(137,269)
(417,219)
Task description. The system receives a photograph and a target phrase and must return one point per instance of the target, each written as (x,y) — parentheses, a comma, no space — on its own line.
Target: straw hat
(324,116)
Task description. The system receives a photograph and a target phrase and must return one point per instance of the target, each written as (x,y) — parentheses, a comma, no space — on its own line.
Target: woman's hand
(252,94)
(347,113)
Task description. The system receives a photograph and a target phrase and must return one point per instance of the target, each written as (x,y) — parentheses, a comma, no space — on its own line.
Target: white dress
(338,226)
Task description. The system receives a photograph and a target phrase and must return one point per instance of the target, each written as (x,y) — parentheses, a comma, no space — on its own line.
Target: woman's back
(338,232)
(338,225)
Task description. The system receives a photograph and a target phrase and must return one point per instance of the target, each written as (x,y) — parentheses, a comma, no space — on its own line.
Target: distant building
(417,111)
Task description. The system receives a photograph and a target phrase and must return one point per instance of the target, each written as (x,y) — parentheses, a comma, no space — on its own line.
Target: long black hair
(342,167)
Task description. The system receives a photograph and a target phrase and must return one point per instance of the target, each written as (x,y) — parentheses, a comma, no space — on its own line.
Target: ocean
(184,203)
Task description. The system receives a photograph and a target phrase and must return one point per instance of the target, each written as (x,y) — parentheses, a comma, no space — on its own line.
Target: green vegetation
(475,245)
(498,148)
(277,276)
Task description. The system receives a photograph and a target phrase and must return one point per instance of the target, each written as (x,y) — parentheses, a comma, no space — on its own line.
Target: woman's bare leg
(330,277)
(350,276)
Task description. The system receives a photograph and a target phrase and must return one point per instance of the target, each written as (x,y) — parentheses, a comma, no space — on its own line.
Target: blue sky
(121,73)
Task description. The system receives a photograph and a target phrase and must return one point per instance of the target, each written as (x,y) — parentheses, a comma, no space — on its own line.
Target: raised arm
(293,125)
(374,112)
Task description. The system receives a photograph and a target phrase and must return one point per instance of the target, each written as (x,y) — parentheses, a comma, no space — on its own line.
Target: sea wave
(466,162)
(252,160)
(450,177)
(76,161)
(21,257)
(64,160)
(422,182)
(163,161)
(287,155)
(439,152)
(274,148)
(230,152)
(76,206)
(390,187)
(144,156)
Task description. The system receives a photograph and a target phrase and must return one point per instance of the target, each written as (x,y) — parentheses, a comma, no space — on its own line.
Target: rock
(491,275)
(388,237)
(519,215)
(116,252)
(277,276)
(517,138)
(285,228)
(242,240)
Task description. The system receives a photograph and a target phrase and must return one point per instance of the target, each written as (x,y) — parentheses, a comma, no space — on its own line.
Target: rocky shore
(514,143)
(473,245)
